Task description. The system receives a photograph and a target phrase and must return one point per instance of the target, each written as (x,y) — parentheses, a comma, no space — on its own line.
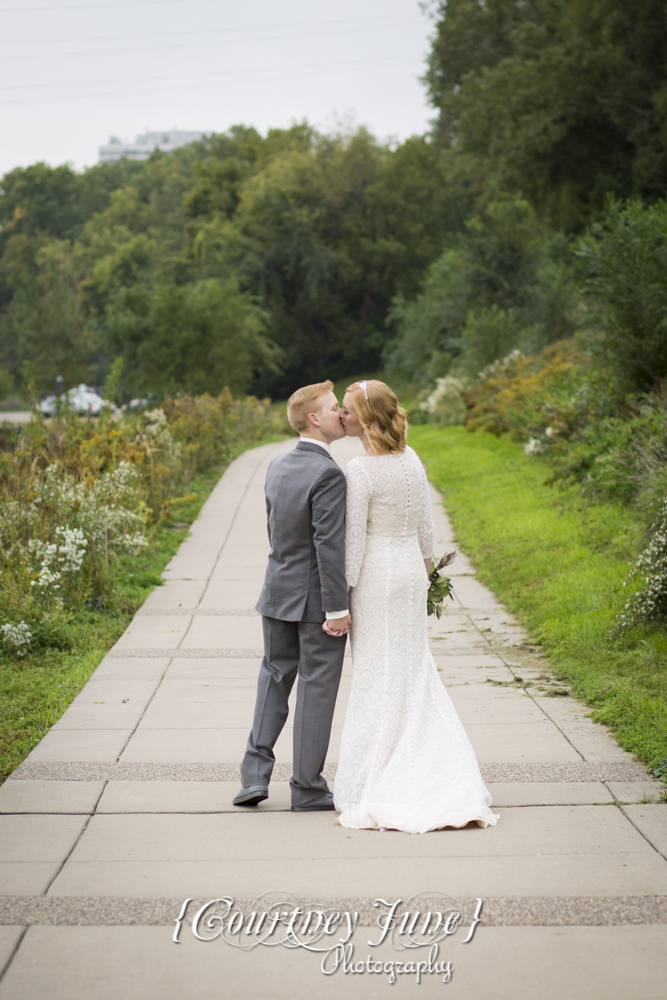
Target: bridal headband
(363,385)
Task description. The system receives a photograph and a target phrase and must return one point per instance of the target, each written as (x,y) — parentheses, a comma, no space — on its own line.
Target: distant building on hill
(146,144)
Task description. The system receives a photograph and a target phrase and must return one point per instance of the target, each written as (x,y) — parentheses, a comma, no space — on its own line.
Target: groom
(304,585)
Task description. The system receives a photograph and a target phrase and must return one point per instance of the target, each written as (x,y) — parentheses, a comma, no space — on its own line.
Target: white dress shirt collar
(322,444)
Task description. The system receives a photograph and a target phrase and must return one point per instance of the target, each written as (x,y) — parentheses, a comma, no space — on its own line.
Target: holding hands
(337,626)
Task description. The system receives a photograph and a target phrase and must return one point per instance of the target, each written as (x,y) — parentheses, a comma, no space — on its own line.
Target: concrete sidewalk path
(124,810)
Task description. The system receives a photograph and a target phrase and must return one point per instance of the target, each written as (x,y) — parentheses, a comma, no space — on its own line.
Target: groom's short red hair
(300,404)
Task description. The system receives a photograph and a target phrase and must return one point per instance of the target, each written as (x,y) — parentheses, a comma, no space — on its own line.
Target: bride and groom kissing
(351,553)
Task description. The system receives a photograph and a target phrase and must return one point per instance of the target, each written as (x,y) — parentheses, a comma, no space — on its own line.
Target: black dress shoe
(251,796)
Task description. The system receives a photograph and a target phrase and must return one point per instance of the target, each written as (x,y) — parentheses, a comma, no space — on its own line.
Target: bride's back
(397,493)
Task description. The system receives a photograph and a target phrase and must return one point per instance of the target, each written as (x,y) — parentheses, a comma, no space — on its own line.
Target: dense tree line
(552,114)
(243,261)
(506,282)
(263,262)
(563,100)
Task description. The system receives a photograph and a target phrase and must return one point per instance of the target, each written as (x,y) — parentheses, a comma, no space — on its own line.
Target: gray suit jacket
(305,507)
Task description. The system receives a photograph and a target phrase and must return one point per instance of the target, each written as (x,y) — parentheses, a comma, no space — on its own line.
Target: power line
(182,45)
(96,6)
(154,79)
(351,21)
(314,69)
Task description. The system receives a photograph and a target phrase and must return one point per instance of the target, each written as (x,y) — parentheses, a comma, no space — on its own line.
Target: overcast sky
(74,73)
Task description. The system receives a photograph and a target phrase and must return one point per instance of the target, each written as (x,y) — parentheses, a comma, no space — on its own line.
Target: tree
(507,282)
(323,233)
(39,200)
(197,337)
(313,233)
(623,263)
(46,321)
(563,100)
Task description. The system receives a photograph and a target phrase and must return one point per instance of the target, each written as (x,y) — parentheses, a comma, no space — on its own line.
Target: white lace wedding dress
(405,760)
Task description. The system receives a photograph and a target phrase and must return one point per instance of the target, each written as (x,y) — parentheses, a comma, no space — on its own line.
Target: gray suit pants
(292,648)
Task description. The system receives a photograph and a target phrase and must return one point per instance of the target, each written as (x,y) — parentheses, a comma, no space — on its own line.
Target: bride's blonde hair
(380,415)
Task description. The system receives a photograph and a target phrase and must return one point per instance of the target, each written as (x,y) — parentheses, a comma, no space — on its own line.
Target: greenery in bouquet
(439,587)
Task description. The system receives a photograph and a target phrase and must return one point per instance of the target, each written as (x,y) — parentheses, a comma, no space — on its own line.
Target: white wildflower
(157,436)
(650,603)
(496,367)
(134,542)
(105,514)
(71,549)
(16,637)
(445,388)
(44,554)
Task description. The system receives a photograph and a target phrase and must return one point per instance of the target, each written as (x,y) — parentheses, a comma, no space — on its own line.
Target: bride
(405,760)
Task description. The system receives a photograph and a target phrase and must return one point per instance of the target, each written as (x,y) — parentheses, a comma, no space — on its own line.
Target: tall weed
(79,494)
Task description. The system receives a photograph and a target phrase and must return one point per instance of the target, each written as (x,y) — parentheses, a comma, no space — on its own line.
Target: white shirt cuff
(331,615)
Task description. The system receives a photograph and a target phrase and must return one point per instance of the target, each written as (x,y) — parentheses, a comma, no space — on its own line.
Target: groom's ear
(314,417)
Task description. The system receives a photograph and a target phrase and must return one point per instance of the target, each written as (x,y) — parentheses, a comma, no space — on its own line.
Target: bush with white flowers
(43,557)
(53,560)
(444,404)
(106,514)
(71,549)
(16,638)
(156,434)
(649,604)
(80,499)
(59,542)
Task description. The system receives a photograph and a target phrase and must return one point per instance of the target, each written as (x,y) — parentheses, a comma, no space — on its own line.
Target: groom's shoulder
(313,463)
(298,475)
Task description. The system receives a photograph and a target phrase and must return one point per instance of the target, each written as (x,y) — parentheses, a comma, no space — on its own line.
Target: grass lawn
(36,690)
(558,563)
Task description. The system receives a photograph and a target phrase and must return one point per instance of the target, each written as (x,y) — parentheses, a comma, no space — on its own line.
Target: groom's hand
(337,626)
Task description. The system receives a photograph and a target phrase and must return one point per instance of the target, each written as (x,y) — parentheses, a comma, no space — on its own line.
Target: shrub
(78,495)
(442,405)
(16,637)
(507,282)
(559,404)
(541,397)
(623,262)
(487,335)
(648,605)
(630,463)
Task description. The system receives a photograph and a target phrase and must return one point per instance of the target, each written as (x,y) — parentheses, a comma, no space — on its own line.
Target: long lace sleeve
(356,518)
(425,530)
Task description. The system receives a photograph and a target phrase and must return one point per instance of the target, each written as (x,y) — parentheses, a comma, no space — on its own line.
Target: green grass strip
(558,563)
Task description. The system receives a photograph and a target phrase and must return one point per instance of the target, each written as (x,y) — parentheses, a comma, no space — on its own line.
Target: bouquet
(439,587)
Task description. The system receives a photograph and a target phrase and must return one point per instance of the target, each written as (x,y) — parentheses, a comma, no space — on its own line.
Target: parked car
(141,403)
(81,399)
